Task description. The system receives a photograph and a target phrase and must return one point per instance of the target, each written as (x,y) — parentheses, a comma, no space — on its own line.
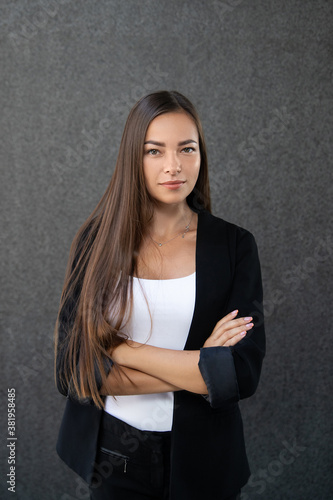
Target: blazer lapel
(213,278)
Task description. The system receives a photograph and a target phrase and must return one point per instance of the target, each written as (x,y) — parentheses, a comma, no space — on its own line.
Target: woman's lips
(173,184)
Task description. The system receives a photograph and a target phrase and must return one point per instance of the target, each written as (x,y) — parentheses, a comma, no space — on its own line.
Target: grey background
(260,74)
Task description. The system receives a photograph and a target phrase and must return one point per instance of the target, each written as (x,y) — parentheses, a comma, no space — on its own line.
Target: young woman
(160,329)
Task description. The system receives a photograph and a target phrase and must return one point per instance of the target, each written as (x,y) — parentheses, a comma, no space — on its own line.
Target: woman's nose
(172,163)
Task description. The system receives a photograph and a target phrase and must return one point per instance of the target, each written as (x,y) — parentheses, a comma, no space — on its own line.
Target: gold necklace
(187,228)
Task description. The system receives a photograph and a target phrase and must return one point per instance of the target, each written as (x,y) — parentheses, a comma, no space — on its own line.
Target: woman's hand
(229,331)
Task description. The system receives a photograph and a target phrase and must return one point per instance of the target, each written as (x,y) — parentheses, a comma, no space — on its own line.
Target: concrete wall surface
(260,75)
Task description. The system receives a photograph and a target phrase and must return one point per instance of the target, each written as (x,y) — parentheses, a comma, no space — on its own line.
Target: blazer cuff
(217,368)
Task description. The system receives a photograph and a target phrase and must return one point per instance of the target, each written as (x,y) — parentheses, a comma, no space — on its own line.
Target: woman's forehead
(174,125)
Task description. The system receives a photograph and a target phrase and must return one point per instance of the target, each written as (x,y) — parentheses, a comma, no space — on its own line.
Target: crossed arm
(146,369)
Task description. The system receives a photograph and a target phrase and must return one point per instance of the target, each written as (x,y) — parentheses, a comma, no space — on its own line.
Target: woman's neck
(169,219)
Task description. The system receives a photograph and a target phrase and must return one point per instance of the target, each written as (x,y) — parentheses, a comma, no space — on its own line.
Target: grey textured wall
(260,73)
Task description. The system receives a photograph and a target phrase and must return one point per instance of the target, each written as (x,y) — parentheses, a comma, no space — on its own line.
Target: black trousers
(131,464)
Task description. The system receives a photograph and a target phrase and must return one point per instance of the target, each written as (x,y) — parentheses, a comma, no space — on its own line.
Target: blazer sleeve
(232,373)
(65,324)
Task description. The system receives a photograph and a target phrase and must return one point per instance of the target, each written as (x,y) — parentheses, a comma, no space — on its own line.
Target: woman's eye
(152,152)
(188,150)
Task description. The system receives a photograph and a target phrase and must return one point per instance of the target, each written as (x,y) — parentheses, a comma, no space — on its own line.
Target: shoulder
(234,242)
(212,223)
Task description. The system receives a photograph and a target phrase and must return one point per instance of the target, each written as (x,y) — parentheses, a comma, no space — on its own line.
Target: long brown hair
(103,255)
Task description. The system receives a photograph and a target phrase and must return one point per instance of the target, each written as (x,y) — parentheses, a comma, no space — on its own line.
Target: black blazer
(208,457)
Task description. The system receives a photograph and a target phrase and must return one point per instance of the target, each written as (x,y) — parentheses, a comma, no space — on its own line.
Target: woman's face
(171,159)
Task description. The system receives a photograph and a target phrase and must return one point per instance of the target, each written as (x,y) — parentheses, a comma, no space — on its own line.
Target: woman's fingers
(228,331)
(231,329)
(226,318)
(231,337)
(237,337)
(229,326)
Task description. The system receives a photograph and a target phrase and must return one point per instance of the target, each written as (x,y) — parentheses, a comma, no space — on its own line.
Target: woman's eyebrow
(162,144)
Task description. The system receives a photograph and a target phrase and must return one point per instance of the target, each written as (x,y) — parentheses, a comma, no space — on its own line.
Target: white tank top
(171,304)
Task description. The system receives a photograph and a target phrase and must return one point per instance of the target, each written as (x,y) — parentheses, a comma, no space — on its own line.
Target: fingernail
(249,325)
(242,334)
(248,318)
(235,312)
